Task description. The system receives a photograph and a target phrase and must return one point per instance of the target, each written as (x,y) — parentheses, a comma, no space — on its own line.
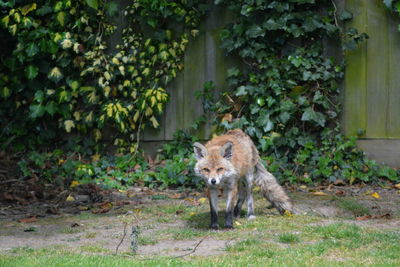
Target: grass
(353,206)
(269,240)
(288,238)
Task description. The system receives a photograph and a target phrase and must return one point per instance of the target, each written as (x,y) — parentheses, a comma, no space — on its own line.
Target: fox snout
(213,181)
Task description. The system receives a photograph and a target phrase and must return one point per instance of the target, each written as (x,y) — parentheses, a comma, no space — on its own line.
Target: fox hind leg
(249,195)
(241,199)
(230,202)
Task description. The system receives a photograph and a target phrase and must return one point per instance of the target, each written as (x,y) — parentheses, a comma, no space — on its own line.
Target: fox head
(214,164)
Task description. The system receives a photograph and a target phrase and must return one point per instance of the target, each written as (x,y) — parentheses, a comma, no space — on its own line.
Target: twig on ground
(122,239)
(194,249)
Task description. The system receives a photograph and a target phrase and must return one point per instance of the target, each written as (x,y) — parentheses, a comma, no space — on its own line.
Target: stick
(194,249)
(122,239)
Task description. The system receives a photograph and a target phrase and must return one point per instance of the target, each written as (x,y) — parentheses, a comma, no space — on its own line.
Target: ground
(333,225)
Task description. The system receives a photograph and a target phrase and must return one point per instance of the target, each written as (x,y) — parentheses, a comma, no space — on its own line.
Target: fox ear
(226,150)
(200,151)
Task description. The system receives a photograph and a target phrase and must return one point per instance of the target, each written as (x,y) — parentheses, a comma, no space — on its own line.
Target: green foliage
(58,74)
(288,238)
(286,95)
(109,171)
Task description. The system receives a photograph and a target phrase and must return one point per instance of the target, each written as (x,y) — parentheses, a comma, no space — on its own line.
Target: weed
(288,238)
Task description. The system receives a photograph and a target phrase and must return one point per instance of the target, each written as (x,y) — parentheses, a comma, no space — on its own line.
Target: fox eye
(220,169)
(206,170)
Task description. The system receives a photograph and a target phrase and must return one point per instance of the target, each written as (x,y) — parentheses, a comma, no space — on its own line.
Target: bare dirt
(102,227)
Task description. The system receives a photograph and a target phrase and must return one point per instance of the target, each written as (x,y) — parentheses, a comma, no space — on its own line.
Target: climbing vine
(59,73)
(287,94)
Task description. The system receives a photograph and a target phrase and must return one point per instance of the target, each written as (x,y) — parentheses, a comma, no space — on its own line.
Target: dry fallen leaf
(238,223)
(28,220)
(340,193)
(288,213)
(74,184)
(319,193)
(70,198)
(397,186)
(375,216)
(104,207)
(82,208)
(362,218)
(202,200)
(176,196)
(375,195)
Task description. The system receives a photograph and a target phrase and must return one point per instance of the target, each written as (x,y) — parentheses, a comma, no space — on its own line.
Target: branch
(194,249)
(122,239)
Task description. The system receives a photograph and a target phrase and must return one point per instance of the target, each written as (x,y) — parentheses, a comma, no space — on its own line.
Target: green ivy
(287,94)
(58,75)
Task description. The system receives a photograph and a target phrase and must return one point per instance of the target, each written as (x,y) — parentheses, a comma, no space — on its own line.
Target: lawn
(174,232)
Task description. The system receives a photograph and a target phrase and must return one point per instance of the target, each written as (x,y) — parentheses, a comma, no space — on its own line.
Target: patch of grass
(243,245)
(70,230)
(180,234)
(163,220)
(24,249)
(90,235)
(159,197)
(353,206)
(339,231)
(147,240)
(288,238)
(93,249)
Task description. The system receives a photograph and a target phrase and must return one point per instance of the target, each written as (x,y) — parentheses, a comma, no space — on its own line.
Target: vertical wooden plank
(193,80)
(175,107)
(355,75)
(393,114)
(377,70)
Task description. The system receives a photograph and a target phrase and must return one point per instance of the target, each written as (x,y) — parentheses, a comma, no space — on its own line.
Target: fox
(231,162)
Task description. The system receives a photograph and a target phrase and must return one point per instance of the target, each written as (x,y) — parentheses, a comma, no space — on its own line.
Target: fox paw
(251,217)
(214,226)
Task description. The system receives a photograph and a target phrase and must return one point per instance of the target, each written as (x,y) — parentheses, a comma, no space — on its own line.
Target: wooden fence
(204,61)
(372,81)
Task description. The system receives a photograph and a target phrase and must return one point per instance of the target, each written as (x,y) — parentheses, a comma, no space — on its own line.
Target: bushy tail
(271,190)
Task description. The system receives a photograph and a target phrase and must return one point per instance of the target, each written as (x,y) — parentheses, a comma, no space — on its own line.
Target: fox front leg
(230,203)
(213,197)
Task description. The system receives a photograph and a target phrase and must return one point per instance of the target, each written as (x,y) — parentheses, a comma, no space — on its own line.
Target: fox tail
(271,190)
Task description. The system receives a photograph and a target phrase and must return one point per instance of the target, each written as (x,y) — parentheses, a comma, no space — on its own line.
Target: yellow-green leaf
(154,122)
(69,124)
(61,18)
(28,8)
(5,20)
(13,29)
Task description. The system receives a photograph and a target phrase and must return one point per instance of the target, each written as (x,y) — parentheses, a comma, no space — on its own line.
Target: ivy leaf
(51,108)
(5,92)
(255,31)
(61,18)
(345,15)
(92,3)
(32,49)
(241,91)
(69,124)
(36,111)
(31,72)
(388,3)
(55,74)
(28,8)
(112,9)
(312,115)
(39,96)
